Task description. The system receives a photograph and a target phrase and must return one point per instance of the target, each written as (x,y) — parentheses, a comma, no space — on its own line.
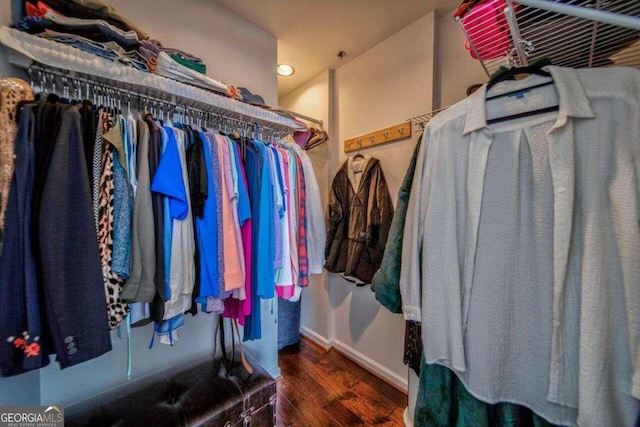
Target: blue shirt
(207,228)
(281,209)
(265,254)
(168,182)
(253,166)
(244,206)
(275,212)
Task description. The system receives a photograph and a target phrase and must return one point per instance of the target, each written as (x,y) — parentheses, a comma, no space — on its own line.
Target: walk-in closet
(320,213)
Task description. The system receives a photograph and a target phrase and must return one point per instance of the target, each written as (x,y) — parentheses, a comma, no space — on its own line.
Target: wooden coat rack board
(382,136)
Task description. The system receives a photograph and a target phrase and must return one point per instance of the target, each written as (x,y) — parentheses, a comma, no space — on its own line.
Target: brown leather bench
(206,394)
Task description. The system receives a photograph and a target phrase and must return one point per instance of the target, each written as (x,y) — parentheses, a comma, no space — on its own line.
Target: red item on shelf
(487,28)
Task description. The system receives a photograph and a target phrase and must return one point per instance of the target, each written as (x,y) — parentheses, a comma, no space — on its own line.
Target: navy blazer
(72,275)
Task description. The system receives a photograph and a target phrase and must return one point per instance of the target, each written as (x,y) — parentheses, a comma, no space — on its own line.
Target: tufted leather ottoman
(203,395)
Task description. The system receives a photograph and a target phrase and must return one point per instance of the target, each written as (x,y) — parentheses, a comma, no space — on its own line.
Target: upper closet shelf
(571,33)
(64,57)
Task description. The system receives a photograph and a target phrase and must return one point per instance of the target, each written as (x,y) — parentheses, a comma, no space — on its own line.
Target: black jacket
(358,221)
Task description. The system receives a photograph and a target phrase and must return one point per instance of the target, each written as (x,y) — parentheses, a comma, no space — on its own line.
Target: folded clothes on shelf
(168,67)
(113,33)
(84,9)
(109,50)
(93,27)
(154,47)
(195,66)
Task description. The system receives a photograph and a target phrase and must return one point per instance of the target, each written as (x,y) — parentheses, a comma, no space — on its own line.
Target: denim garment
(108,49)
(93,48)
(32,25)
(121,257)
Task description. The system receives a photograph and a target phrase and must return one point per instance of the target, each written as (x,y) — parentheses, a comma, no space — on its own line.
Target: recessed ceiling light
(285,70)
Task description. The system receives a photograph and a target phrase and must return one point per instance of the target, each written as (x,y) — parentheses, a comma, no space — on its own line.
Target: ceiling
(310,33)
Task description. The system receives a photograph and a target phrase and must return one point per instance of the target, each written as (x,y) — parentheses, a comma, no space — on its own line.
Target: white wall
(6,70)
(313,99)
(456,70)
(235,51)
(386,85)
(422,67)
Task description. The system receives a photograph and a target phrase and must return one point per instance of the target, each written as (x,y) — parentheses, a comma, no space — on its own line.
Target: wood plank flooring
(320,388)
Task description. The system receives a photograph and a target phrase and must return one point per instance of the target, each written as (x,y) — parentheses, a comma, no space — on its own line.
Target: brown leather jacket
(358,221)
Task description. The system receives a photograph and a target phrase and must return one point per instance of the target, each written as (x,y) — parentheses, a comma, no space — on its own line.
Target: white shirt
(583,165)
(182,270)
(316,231)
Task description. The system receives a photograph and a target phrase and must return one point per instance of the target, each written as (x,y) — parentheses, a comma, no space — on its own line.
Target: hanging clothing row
(119,218)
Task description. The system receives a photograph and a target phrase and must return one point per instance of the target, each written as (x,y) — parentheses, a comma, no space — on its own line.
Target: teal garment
(386,281)
(443,401)
(196,66)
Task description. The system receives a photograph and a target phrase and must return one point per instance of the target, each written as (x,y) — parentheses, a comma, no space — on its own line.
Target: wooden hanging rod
(382,136)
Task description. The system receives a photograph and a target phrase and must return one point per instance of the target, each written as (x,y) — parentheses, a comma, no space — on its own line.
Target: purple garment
(214,305)
(277,262)
(146,53)
(155,47)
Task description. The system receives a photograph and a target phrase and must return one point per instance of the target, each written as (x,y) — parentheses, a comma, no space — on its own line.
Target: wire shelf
(71,61)
(508,33)
(421,121)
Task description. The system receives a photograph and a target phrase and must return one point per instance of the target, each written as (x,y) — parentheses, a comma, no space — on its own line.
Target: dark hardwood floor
(320,388)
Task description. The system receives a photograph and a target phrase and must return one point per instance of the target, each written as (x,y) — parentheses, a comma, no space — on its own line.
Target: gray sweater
(140,287)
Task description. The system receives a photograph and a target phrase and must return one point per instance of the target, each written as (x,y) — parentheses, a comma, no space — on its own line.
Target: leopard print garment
(116,308)
(12,91)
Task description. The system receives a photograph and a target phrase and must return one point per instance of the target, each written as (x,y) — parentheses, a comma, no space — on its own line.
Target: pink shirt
(233,307)
(233,254)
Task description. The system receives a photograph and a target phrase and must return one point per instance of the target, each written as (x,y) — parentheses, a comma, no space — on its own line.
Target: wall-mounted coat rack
(382,136)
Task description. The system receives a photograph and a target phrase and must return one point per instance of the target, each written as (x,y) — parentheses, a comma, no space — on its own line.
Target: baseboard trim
(406,418)
(372,366)
(318,339)
(366,362)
